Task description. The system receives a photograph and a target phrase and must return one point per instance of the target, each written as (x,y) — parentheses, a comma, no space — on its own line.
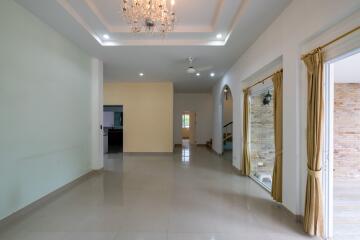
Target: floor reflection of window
(185,155)
(262,147)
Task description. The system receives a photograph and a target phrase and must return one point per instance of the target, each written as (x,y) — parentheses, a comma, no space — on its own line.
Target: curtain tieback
(314,173)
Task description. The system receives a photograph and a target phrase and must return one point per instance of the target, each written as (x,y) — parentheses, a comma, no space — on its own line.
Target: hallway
(157,196)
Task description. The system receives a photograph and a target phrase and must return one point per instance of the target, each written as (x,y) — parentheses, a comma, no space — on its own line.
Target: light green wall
(45,97)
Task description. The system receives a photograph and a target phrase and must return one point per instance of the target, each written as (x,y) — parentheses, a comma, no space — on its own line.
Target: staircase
(228,137)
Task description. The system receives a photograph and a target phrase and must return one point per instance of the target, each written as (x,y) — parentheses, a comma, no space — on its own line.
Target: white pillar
(97,148)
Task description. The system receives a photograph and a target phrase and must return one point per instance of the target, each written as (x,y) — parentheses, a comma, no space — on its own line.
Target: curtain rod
(263,80)
(334,40)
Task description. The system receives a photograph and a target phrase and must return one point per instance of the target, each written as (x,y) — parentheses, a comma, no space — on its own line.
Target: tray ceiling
(198,22)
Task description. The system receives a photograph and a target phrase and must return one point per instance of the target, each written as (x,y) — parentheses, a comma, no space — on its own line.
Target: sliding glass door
(262,147)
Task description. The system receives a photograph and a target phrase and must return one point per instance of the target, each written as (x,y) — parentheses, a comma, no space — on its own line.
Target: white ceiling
(126,54)
(194,25)
(347,70)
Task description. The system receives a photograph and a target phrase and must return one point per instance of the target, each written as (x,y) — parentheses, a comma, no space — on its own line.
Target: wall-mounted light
(226,92)
(141,74)
(267,98)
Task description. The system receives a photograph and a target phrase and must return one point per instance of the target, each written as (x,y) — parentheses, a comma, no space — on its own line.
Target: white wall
(97,145)
(285,38)
(108,118)
(348,70)
(201,104)
(46,92)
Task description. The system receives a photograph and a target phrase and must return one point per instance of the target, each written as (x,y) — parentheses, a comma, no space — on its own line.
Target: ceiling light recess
(212,74)
(219,36)
(106,36)
(141,74)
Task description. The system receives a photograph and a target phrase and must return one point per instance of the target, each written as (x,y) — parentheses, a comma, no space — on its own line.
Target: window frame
(185,120)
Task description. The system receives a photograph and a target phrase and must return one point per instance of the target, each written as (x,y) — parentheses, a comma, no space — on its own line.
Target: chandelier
(149,15)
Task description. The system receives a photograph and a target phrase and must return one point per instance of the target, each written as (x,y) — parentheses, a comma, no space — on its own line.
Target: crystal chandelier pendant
(149,15)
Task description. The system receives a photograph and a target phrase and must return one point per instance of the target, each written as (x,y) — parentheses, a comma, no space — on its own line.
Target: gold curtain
(276,189)
(313,216)
(246,156)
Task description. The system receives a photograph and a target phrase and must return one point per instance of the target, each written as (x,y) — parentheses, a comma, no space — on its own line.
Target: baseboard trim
(45,199)
(198,145)
(297,217)
(147,153)
(214,152)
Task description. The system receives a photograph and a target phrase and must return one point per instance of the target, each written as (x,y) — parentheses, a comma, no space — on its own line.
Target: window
(186,120)
(117,119)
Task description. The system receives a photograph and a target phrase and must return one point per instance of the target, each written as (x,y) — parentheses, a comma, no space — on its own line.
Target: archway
(227,123)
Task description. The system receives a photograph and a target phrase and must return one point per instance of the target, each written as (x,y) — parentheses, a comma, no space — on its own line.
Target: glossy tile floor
(346,209)
(189,195)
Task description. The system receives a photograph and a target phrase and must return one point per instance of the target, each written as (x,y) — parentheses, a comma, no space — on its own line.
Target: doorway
(341,158)
(113,129)
(227,128)
(262,133)
(188,128)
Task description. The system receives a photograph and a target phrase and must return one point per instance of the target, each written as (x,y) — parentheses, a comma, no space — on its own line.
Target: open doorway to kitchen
(113,129)
(341,167)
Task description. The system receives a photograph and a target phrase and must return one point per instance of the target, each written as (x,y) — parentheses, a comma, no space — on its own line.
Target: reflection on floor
(115,149)
(263,178)
(192,194)
(227,156)
(346,209)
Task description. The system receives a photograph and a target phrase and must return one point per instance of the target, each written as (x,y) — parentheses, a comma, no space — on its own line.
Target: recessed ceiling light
(198,74)
(212,74)
(219,36)
(141,74)
(105,36)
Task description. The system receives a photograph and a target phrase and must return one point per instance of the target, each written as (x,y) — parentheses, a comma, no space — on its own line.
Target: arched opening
(227,123)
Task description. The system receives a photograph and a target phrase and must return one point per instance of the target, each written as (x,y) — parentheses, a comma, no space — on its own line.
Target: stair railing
(227,131)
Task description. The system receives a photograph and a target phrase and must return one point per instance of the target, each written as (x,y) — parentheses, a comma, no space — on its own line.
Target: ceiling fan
(191,69)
